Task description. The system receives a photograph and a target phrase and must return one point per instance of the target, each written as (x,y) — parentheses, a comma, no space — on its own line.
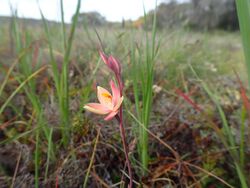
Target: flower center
(107,97)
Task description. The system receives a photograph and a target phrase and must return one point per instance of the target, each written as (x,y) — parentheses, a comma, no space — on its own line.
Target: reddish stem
(125,147)
(123,134)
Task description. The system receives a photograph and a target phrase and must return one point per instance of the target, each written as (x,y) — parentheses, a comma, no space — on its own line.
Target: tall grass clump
(24,42)
(61,77)
(143,62)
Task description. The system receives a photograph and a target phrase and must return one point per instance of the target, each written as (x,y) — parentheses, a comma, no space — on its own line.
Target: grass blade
(21,86)
(243,11)
(92,158)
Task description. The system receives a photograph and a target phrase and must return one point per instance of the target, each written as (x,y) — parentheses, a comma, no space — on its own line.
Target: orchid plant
(111,104)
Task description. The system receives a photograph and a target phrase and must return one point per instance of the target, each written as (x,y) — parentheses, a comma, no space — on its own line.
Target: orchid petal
(104,97)
(97,108)
(110,116)
(115,92)
(117,106)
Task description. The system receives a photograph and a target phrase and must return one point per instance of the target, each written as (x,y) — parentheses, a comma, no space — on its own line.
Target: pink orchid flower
(109,104)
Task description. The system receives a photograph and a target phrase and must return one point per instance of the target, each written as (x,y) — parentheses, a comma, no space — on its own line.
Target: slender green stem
(50,147)
(92,158)
(37,160)
(242,137)
(63,26)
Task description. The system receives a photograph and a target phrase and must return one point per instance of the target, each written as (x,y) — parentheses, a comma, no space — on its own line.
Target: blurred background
(198,14)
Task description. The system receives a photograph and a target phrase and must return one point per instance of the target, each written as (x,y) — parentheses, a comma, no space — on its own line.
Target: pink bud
(112,63)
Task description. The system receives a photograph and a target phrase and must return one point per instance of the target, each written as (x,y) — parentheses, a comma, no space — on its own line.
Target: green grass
(231,143)
(143,65)
(226,134)
(30,88)
(61,78)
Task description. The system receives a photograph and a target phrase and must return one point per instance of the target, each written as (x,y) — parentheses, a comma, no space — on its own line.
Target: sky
(112,10)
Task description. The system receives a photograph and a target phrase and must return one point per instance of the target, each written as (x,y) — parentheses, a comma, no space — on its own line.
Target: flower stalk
(124,143)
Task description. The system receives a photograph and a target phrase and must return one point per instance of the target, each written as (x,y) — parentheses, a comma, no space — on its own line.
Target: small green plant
(61,77)
(143,62)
